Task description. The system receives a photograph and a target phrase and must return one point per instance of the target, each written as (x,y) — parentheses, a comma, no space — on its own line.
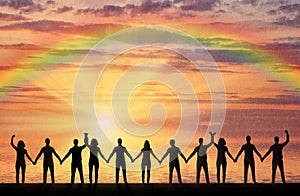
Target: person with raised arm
(277,159)
(20,159)
(222,150)
(201,151)
(94,159)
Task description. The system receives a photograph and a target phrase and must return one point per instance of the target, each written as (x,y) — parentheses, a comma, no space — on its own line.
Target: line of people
(173,152)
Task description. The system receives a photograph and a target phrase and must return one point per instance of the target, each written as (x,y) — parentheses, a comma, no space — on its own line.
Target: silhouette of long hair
(222,141)
(94,142)
(147,145)
(21,144)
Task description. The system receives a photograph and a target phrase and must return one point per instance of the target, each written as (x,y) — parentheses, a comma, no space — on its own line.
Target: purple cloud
(295,22)
(64,9)
(16,4)
(40,25)
(251,2)
(24,6)
(200,5)
(286,9)
(11,17)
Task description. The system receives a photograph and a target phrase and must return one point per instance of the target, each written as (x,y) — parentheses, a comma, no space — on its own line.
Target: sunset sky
(149,69)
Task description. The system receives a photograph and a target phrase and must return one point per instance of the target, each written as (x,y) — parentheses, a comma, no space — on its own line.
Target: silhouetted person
(221,158)
(146,162)
(277,159)
(201,151)
(48,151)
(248,150)
(120,152)
(76,163)
(93,160)
(173,153)
(20,160)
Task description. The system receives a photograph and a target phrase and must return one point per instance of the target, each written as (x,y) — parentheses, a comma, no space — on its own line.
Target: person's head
(276,139)
(119,141)
(222,142)
(147,144)
(47,141)
(248,138)
(94,142)
(75,142)
(21,144)
(172,142)
(200,140)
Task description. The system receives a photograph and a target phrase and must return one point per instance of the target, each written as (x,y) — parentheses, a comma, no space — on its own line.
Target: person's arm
(267,153)
(128,154)
(83,146)
(182,155)
(212,139)
(110,156)
(12,142)
(86,139)
(164,156)
(256,151)
(229,154)
(101,155)
(56,155)
(287,138)
(27,155)
(66,156)
(238,154)
(192,154)
(154,156)
(38,156)
(138,156)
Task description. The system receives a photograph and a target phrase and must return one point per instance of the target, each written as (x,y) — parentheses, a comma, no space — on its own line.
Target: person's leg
(51,168)
(252,166)
(148,176)
(17,167)
(224,167)
(124,172)
(171,168)
(45,168)
(73,170)
(198,172)
(143,166)
(148,172)
(124,175)
(117,174)
(90,172)
(80,170)
(205,169)
(23,170)
(218,171)
(177,167)
(96,172)
(274,167)
(246,165)
(281,168)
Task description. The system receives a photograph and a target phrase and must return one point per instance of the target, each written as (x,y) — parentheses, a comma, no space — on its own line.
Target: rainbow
(262,59)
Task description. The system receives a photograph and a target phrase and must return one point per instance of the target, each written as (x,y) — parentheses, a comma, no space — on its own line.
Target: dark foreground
(150,189)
